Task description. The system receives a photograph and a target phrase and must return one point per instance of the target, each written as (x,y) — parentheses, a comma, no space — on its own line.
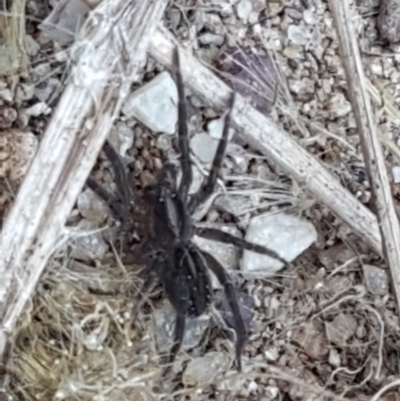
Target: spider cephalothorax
(180,265)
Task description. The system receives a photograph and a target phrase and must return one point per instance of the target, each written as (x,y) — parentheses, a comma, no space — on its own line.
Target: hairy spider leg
(121,179)
(207,187)
(178,335)
(119,208)
(183,132)
(222,236)
(151,272)
(187,284)
(230,294)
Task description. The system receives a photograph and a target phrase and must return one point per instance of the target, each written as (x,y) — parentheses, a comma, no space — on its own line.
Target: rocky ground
(325,328)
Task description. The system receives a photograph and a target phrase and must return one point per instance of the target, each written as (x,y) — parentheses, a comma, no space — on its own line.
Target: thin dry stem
(288,376)
(378,317)
(371,148)
(379,394)
(12,24)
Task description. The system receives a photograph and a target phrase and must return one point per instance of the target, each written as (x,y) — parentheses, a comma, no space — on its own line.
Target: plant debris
(326,328)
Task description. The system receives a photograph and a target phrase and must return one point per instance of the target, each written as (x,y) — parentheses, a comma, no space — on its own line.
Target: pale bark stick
(264,135)
(370,144)
(99,83)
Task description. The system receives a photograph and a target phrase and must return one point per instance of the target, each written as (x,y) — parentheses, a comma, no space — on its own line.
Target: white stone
(396,174)
(163,142)
(376,280)
(38,109)
(155,104)
(253,386)
(211,39)
(341,329)
(164,322)
(226,10)
(334,358)
(271,354)
(297,35)
(88,242)
(41,72)
(23,119)
(226,254)
(271,392)
(285,234)
(50,86)
(294,52)
(25,92)
(238,155)
(215,128)
(339,106)
(6,94)
(197,181)
(274,304)
(376,69)
(204,147)
(126,137)
(204,369)
(309,17)
(91,207)
(234,204)
(292,13)
(303,87)
(65,20)
(121,138)
(93,338)
(31,46)
(244,9)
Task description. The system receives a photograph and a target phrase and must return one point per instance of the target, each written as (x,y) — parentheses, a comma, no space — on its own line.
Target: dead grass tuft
(73,344)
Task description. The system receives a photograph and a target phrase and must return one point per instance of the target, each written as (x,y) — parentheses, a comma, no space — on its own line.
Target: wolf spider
(180,265)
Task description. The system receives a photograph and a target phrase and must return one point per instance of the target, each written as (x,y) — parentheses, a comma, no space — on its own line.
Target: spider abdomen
(186,281)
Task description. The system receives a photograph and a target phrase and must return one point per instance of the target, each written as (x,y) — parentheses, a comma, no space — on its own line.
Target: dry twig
(264,135)
(84,116)
(373,155)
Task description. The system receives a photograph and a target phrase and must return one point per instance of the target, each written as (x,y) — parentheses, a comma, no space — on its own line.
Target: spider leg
(178,336)
(147,285)
(208,187)
(118,210)
(230,294)
(221,236)
(119,173)
(183,133)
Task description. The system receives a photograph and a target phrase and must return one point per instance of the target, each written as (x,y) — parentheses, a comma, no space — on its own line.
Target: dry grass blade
(100,81)
(373,155)
(318,391)
(378,395)
(12,27)
(265,136)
